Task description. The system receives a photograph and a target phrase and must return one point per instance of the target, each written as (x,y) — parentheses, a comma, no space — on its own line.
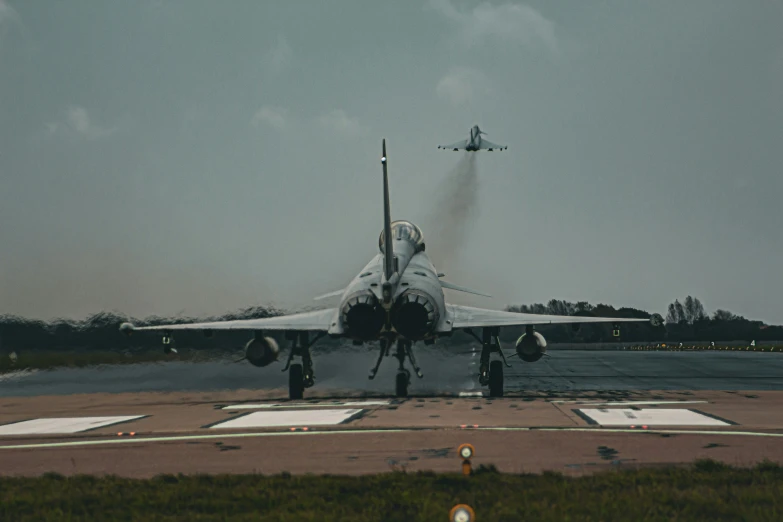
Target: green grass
(45,360)
(706,491)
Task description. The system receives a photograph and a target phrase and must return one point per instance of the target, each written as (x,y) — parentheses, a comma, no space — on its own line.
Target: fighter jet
(474,143)
(396,299)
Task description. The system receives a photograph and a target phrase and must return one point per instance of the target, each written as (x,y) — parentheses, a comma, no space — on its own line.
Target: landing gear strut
(490,373)
(404,351)
(300,375)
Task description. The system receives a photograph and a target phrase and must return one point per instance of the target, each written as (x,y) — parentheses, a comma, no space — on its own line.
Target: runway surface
(576,412)
(444,373)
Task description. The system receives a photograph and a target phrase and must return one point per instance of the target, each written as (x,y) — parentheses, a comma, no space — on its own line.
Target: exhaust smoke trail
(453,212)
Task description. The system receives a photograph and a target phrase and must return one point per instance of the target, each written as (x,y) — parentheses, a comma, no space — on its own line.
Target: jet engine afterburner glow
(414,314)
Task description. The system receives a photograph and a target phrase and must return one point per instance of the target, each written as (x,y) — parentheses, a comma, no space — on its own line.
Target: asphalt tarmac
(444,373)
(574,412)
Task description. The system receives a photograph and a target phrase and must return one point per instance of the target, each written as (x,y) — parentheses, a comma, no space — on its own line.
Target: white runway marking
(134,440)
(268,419)
(61,425)
(627,417)
(304,405)
(629,403)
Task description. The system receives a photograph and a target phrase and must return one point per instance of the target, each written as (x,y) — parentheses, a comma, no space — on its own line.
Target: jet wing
(460,145)
(470,317)
(485,145)
(318,320)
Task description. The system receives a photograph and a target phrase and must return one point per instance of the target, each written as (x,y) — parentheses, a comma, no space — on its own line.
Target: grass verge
(706,491)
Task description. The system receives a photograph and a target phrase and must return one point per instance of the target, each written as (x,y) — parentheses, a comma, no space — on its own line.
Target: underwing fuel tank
(261,351)
(531,346)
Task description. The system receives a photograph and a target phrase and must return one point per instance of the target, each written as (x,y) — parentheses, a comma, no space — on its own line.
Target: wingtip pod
(127,328)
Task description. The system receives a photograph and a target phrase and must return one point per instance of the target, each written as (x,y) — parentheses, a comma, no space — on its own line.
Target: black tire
(401,384)
(496,379)
(295,382)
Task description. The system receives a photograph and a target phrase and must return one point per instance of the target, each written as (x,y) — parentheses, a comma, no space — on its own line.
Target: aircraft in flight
(397,298)
(474,143)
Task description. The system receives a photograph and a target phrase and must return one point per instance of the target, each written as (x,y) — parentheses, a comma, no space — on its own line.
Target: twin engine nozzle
(414,314)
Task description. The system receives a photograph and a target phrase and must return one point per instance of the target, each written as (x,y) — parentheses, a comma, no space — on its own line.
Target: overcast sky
(164,157)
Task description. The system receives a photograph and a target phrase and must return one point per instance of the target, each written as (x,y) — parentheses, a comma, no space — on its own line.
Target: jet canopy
(405,231)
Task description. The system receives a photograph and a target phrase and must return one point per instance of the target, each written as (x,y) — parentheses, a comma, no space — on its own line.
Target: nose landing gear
(403,378)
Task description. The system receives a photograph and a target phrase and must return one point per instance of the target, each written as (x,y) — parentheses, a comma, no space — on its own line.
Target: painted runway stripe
(663,417)
(63,425)
(306,405)
(176,438)
(628,403)
(276,419)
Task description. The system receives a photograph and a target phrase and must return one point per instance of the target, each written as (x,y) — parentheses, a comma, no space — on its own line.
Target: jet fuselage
(475,139)
(417,308)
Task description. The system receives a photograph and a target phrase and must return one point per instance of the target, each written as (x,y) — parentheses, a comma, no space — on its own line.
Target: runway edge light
(466,452)
(462,513)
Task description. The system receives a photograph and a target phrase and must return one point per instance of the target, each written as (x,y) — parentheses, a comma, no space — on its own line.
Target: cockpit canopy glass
(406,231)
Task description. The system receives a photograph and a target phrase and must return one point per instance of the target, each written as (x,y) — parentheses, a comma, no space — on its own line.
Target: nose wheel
(401,383)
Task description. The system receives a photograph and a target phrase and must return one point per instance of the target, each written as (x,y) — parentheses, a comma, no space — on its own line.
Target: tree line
(685,321)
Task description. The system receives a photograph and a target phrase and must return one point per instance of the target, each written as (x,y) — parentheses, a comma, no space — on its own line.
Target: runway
(444,373)
(576,412)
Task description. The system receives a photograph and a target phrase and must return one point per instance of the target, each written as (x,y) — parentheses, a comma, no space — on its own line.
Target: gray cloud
(335,121)
(275,117)
(462,84)
(8,14)
(642,168)
(338,121)
(505,23)
(279,56)
(78,122)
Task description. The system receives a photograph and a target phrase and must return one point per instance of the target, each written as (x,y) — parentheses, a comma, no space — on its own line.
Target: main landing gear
(404,351)
(490,373)
(300,375)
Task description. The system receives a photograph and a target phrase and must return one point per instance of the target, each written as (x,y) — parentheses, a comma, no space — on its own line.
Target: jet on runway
(474,143)
(397,298)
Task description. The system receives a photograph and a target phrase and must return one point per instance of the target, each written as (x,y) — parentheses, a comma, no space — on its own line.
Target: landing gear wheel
(496,379)
(402,381)
(295,382)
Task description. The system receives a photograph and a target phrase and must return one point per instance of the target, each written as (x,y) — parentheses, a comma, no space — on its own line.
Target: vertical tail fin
(388,256)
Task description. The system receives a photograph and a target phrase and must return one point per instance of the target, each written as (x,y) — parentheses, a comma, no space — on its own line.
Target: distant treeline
(684,322)
(101,332)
